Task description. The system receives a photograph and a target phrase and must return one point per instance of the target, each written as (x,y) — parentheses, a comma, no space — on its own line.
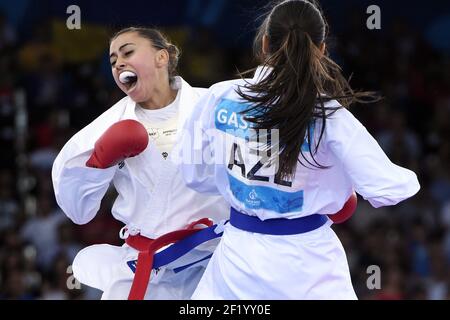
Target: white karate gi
(153,200)
(310,265)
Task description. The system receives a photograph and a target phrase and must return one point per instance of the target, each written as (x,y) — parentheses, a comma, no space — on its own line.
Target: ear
(265,44)
(162,58)
(322,47)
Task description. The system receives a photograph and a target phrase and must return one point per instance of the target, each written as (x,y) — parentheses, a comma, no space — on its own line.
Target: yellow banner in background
(80,45)
(75,46)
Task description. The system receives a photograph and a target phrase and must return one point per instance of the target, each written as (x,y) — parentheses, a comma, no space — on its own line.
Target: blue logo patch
(261,197)
(228,118)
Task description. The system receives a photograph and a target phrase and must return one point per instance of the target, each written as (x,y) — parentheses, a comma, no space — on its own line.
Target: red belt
(147,248)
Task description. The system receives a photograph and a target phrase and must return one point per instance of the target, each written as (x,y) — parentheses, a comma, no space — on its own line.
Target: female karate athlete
(286,153)
(129,145)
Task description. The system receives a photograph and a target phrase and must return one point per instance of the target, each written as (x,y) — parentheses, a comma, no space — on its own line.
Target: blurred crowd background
(54,81)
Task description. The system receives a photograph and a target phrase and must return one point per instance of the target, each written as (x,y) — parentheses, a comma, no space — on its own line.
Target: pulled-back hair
(301,80)
(159,41)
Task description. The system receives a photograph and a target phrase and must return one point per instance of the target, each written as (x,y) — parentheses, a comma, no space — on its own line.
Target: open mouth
(128,79)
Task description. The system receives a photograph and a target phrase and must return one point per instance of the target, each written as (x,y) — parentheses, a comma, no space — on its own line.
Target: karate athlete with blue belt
(285,153)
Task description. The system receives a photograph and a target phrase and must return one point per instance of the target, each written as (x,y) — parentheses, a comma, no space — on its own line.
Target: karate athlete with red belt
(129,146)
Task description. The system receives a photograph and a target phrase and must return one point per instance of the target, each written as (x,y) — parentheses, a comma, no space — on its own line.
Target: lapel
(130,110)
(188,100)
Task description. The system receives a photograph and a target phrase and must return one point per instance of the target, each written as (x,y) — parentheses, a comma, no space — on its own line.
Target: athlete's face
(145,66)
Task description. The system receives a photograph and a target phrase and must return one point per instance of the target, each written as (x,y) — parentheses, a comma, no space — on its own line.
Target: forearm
(80,190)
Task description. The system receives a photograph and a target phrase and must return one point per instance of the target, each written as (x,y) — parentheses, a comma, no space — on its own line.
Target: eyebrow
(120,48)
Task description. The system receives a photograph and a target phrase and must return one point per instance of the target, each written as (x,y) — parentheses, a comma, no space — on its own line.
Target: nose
(120,64)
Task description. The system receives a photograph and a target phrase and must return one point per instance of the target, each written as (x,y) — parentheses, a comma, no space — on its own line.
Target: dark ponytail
(301,80)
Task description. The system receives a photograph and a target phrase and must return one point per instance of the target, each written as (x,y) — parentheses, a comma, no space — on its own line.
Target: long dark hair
(301,80)
(158,41)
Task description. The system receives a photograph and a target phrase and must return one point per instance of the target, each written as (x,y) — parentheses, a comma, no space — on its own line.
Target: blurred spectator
(9,208)
(14,287)
(89,234)
(391,286)
(420,259)
(68,244)
(399,142)
(437,283)
(8,36)
(42,231)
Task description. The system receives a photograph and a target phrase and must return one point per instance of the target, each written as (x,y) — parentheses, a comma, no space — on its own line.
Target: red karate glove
(124,139)
(347,211)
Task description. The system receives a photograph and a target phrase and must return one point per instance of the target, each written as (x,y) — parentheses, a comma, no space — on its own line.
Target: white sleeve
(195,152)
(79,189)
(373,175)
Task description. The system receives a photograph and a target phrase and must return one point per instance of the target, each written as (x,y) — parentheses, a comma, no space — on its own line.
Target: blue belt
(276,227)
(180,248)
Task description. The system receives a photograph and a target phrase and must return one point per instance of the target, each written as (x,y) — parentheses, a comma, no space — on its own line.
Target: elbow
(76,212)
(83,214)
(411,185)
(399,192)
(414,186)
(78,220)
